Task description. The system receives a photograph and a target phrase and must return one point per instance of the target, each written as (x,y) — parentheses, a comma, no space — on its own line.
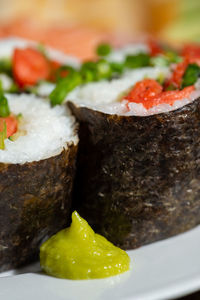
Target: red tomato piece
(169,97)
(150,93)
(144,90)
(29,66)
(191,50)
(179,71)
(177,74)
(154,47)
(11,125)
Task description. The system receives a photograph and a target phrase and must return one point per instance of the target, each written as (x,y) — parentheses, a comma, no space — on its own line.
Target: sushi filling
(47,130)
(145,91)
(24,64)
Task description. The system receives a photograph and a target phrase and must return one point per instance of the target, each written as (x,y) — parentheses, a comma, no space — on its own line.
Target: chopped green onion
(3,136)
(191,75)
(4,108)
(89,71)
(159,61)
(173,57)
(13,88)
(42,49)
(19,116)
(161,78)
(60,70)
(64,86)
(117,67)
(164,60)
(137,61)
(103,69)
(103,49)
(6,66)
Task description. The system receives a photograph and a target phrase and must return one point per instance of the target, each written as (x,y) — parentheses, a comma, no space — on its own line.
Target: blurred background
(76,26)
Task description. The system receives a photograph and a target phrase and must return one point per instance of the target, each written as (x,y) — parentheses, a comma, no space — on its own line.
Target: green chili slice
(191,75)
(64,86)
(103,49)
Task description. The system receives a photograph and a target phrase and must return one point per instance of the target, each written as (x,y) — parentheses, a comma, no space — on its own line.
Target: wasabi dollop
(78,252)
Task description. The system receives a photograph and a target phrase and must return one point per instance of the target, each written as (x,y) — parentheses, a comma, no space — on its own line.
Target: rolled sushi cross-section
(138,177)
(36,175)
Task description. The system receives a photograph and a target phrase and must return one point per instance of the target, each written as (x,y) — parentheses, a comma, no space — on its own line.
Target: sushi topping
(3,135)
(150,93)
(93,71)
(31,65)
(154,46)
(137,61)
(8,122)
(11,125)
(64,86)
(103,49)
(4,107)
(191,75)
(6,66)
(191,51)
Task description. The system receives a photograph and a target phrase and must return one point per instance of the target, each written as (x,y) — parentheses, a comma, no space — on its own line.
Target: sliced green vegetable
(64,86)
(173,57)
(164,60)
(13,88)
(42,49)
(103,69)
(88,72)
(59,72)
(104,49)
(117,67)
(6,66)
(4,107)
(19,117)
(137,61)
(3,136)
(191,75)
(161,78)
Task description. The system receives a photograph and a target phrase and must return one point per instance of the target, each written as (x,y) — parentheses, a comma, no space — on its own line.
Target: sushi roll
(31,67)
(38,146)
(138,178)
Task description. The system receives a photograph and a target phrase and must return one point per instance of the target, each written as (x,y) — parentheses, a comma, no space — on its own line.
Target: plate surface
(162,270)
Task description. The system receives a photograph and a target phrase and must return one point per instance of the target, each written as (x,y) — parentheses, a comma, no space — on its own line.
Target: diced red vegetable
(29,66)
(191,50)
(11,125)
(154,47)
(144,90)
(150,93)
(177,75)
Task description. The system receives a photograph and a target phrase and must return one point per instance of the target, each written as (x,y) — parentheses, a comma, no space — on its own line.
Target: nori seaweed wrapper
(138,178)
(35,202)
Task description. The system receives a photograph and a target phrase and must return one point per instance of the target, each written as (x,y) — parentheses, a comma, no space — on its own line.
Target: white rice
(49,130)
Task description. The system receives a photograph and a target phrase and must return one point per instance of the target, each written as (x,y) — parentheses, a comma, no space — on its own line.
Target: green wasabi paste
(79,253)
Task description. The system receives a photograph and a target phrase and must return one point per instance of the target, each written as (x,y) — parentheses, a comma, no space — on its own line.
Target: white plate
(162,270)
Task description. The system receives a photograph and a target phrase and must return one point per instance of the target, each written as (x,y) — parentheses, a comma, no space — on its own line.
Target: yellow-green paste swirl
(79,253)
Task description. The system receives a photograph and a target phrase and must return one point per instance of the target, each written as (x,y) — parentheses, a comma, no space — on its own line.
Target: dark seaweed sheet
(138,178)
(35,202)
